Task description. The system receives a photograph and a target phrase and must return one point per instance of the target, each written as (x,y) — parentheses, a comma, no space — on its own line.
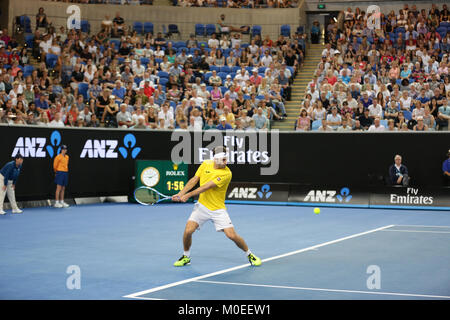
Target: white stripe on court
(327,290)
(421,226)
(174,284)
(416,231)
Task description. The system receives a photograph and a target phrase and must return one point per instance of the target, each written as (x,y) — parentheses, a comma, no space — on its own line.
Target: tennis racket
(149,196)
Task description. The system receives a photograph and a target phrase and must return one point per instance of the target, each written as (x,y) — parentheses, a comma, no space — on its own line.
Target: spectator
(377,126)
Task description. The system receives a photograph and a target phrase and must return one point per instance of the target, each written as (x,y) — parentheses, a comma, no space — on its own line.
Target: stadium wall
(102,161)
(269,19)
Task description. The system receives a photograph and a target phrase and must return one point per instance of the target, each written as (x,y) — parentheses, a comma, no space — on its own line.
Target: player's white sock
(187,253)
(248,252)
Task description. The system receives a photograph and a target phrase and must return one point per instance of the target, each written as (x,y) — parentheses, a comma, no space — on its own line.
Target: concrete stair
(304,76)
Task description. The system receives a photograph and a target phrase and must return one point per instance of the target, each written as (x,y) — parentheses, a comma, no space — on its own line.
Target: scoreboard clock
(167,177)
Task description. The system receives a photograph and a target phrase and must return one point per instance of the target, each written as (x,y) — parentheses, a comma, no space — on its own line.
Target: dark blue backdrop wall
(102,161)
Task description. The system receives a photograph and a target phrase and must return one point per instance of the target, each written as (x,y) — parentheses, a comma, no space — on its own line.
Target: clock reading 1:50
(175,185)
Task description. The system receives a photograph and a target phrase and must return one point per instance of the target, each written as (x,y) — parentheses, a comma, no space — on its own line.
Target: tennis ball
(316,210)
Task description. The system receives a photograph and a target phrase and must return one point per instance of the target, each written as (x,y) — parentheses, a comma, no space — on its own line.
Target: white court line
(327,290)
(174,284)
(417,231)
(412,225)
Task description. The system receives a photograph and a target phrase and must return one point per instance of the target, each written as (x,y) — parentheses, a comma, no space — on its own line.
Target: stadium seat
(29,39)
(173,29)
(85,26)
(384,123)
(116,43)
(225,69)
(163,81)
(145,61)
(83,90)
(300,29)
(285,30)
(200,30)
(163,74)
(28,69)
(148,27)
(222,75)
(25,23)
(50,60)
(210,29)
(256,30)
(407,114)
(138,27)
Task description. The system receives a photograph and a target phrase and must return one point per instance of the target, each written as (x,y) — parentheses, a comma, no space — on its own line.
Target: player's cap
(63,147)
(223,119)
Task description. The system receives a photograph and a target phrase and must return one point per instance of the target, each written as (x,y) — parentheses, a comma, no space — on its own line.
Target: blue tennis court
(126,251)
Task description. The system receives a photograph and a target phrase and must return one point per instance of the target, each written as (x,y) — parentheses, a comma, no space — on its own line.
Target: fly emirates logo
(412,197)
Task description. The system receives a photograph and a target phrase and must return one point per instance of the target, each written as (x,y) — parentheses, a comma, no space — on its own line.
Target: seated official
(398,173)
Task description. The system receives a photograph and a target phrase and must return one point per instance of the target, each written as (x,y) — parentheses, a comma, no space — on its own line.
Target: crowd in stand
(125,2)
(119,79)
(237,3)
(381,73)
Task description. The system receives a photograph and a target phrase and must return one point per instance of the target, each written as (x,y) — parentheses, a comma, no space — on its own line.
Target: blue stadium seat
(85,26)
(223,89)
(210,29)
(145,61)
(173,29)
(28,69)
(29,39)
(200,30)
(222,75)
(116,43)
(163,74)
(83,90)
(148,27)
(407,114)
(225,69)
(285,30)
(256,30)
(50,60)
(163,81)
(138,27)
(25,22)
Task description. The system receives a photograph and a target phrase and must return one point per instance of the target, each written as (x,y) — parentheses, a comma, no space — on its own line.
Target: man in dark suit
(398,173)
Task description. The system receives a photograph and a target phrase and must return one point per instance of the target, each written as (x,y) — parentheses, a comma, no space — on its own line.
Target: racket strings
(147,196)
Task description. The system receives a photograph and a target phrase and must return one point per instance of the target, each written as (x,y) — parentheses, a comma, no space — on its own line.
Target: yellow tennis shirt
(214,198)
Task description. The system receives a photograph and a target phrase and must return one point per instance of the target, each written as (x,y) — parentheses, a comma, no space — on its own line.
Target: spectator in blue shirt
(446,170)
(42,102)
(223,125)
(119,91)
(8,179)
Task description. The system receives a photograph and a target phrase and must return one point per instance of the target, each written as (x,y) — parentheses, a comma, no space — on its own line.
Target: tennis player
(8,179)
(61,167)
(214,177)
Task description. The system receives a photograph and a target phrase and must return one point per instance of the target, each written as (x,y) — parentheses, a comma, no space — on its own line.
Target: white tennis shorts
(202,214)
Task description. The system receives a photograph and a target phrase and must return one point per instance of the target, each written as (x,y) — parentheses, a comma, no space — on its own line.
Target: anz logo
(107,149)
(37,147)
(250,193)
(328,195)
